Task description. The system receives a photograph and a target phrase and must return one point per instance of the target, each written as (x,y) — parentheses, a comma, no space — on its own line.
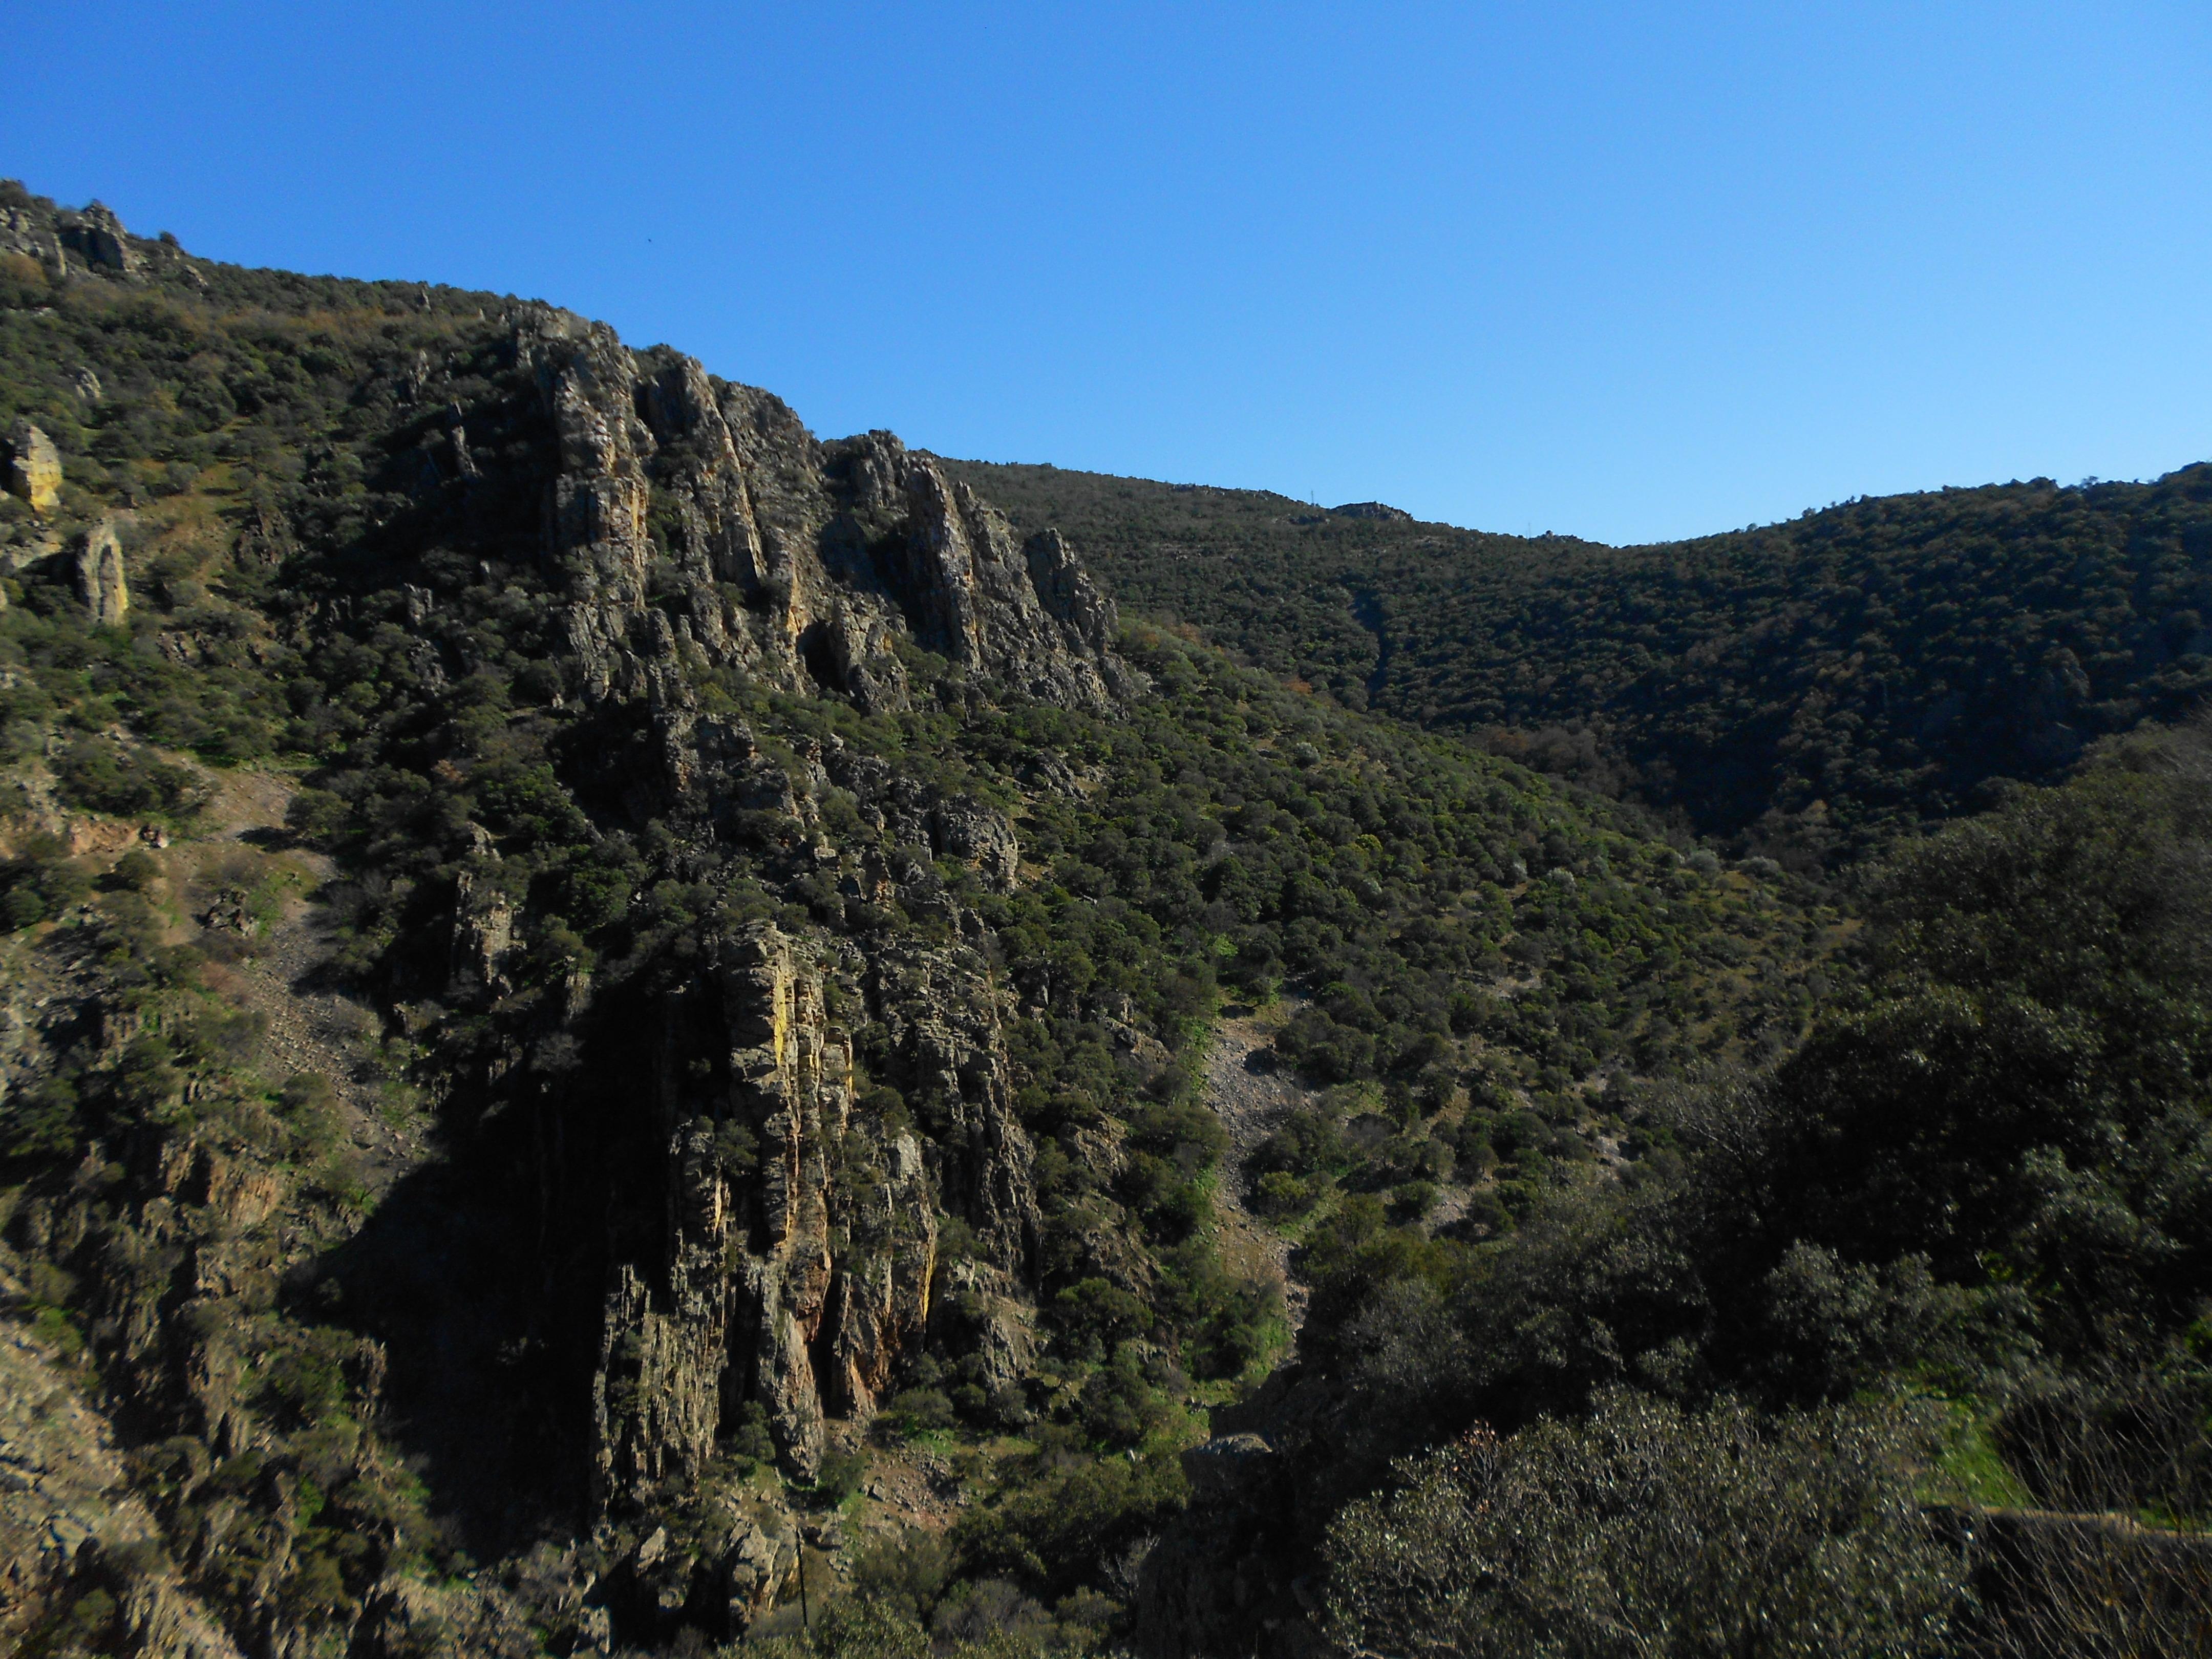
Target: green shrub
(136,871)
(1278,1193)
(1120,1405)
(40,882)
(1059,1528)
(1718,1533)
(906,1570)
(840,1476)
(110,777)
(1413,1201)
(915,1411)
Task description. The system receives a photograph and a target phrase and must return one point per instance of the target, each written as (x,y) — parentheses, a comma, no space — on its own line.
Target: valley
(627,1030)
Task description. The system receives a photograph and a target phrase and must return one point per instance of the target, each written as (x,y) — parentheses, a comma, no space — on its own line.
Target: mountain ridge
(1757,682)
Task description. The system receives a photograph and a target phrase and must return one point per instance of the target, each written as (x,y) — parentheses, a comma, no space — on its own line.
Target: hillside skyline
(1589,270)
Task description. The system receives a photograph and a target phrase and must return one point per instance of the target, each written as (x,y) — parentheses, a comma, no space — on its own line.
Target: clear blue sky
(1629,272)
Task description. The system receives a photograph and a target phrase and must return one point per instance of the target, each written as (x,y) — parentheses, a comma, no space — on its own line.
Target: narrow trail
(1251,1099)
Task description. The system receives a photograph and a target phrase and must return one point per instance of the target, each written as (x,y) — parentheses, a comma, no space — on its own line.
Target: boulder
(97,235)
(35,467)
(99,576)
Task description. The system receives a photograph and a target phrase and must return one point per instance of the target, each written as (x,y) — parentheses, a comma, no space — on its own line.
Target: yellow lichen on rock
(35,467)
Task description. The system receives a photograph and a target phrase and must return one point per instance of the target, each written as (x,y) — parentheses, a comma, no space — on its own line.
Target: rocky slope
(761,919)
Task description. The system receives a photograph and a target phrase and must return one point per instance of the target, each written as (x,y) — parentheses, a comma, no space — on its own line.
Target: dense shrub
(1646,1529)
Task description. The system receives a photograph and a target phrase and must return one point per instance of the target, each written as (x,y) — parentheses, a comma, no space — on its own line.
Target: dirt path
(1251,1100)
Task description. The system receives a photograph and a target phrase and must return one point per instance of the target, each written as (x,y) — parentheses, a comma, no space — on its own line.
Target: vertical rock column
(781,1285)
(99,575)
(600,492)
(35,467)
(790,1078)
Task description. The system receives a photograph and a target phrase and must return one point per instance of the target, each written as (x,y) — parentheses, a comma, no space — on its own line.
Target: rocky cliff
(701,1230)
(688,514)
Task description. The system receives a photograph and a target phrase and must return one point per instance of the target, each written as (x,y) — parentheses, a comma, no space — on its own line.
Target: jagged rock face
(34,235)
(795,1272)
(712,768)
(1028,616)
(943,1013)
(35,467)
(780,1285)
(91,238)
(483,925)
(99,575)
(1001,1324)
(97,235)
(956,827)
(689,515)
(722,1575)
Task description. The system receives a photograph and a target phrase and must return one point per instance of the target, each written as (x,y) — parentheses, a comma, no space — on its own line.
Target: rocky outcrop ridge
(689,515)
(86,242)
(795,1272)
(98,237)
(1027,616)
(68,1516)
(942,1012)
(668,1227)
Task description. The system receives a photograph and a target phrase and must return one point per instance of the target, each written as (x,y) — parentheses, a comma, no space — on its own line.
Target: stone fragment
(35,467)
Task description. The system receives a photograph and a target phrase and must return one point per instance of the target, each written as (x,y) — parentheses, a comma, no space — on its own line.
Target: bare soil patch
(1251,1098)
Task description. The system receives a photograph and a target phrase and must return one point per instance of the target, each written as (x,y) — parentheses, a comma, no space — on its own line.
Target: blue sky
(1629,272)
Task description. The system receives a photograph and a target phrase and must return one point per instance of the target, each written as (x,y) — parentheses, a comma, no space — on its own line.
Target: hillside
(626,1030)
(778,918)
(1804,688)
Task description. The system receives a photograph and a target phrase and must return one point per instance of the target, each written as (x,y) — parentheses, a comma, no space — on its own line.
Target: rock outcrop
(26,230)
(90,241)
(97,236)
(35,467)
(752,1301)
(675,1229)
(794,1273)
(942,1013)
(693,517)
(99,576)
